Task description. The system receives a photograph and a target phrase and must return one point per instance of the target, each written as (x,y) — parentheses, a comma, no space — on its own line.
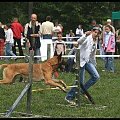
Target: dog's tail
(3,66)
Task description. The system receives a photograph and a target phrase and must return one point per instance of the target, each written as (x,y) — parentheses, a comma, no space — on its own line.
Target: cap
(97,28)
(108,20)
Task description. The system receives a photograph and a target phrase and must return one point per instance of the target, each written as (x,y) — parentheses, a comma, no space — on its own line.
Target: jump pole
(77,77)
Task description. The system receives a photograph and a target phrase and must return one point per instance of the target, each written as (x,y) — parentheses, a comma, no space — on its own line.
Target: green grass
(51,102)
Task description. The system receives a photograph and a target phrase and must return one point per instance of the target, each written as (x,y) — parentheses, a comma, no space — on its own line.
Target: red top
(17,29)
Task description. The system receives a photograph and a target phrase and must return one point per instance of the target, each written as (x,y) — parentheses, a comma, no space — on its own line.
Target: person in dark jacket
(71,60)
(32,32)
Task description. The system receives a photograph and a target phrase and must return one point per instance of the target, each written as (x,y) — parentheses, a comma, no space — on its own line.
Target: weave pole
(48,50)
(29,92)
(77,93)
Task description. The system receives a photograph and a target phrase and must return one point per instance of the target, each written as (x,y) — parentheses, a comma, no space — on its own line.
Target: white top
(9,36)
(86,49)
(79,32)
(60,46)
(106,38)
(57,29)
(47,27)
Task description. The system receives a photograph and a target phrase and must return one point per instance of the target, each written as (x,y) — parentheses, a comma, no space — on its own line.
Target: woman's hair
(97,28)
(109,27)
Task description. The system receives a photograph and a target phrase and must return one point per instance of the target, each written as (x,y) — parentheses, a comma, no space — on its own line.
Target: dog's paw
(64,85)
(64,90)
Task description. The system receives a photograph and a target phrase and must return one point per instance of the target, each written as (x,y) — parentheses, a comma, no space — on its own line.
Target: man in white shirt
(47,33)
(47,28)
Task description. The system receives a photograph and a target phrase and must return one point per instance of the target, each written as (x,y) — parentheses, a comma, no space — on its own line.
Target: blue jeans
(109,62)
(37,53)
(69,65)
(94,76)
(47,36)
(8,50)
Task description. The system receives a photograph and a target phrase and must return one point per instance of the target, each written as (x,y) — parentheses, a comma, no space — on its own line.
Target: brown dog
(40,71)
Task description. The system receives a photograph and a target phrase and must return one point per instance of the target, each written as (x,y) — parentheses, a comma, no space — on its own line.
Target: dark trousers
(18,41)
(69,65)
(118,48)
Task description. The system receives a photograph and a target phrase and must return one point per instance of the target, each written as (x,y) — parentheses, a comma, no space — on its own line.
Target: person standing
(32,32)
(47,28)
(60,47)
(47,33)
(109,47)
(87,62)
(57,29)
(9,42)
(71,34)
(79,31)
(17,29)
(2,40)
(71,60)
(93,24)
(109,22)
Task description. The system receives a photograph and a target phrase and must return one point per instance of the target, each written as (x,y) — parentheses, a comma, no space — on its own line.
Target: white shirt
(47,27)
(79,32)
(86,49)
(9,36)
(61,47)
(106,38)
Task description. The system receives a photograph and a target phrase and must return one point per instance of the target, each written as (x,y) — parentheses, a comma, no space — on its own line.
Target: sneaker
(70,101)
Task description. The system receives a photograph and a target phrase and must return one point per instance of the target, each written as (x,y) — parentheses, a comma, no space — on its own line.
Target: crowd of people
(103,37)
(39,34)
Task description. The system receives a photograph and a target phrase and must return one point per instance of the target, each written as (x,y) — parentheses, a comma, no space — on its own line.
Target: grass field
(51,103)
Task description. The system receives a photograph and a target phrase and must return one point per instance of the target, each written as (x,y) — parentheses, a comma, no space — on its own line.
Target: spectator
(67,38)
(57,29)
(99,40)
(2,40)
(47,33)
(61,28)
(88,48)
(71,34)
(17,29)
(109,47)
(79,31)
(118,45)
(71,60)
(118,41)
(59,46)
(47,28)
(33,32)
(9,42)
(93,24)
(109,22)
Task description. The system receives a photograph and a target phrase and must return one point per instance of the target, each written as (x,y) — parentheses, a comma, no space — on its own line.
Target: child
(109,47)
(59,46)
(9,42)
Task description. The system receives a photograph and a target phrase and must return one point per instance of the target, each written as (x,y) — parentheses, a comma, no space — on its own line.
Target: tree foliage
(69,14)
